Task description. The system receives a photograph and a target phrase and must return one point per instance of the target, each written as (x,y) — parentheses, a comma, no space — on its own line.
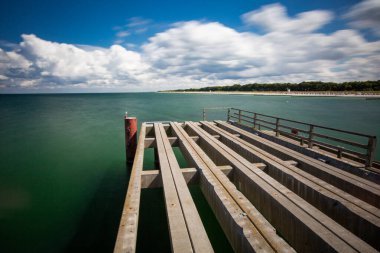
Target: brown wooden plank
(356,215)
(152,178)
(179,236)
(357,186)
(263,232)
(266,157)
(328,234)
(127,233)
(198,235)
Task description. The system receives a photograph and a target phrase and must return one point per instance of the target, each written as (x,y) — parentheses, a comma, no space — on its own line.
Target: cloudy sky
(149,45)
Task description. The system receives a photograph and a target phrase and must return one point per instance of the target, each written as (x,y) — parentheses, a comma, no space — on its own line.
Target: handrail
(299,122)
(311,132)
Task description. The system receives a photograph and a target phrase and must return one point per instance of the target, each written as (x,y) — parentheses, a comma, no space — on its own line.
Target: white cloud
(59,64)
(212,51)
(118,41)
(134,26)
(141,30)
(122,34)
(137,22)
(273,18)
(28,83)
(11,61)
(366,15)
(3,77)
(194,54)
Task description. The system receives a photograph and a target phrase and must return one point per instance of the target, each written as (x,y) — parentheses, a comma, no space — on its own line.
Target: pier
(273,184)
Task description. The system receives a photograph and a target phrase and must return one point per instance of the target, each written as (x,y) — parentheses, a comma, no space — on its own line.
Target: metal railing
(310,134)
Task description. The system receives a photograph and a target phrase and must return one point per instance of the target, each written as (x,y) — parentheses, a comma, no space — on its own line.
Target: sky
(149,45)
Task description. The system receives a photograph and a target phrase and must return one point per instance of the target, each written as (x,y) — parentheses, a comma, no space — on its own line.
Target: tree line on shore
(303,86)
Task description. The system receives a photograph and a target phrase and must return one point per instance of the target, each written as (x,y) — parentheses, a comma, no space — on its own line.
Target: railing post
(340,152)
(254,121)
(239,116)
(310,140)
(371,151)
(228,114)
(277,123)
(204,114)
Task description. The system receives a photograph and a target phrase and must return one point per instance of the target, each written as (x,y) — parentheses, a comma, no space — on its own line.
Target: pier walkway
(266,196)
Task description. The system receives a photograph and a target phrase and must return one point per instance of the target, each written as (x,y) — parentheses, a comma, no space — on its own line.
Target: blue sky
(94,46)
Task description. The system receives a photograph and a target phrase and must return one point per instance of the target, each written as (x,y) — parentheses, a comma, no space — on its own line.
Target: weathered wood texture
(152,178)
(187,233)
(356,215)
(246,229)
(127,234)
(355,185)
(266,197)
(293,217)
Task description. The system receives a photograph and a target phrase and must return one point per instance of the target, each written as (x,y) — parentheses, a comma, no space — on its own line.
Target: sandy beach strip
(284,93)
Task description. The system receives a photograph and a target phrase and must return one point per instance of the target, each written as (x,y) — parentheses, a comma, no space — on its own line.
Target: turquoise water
(63,175)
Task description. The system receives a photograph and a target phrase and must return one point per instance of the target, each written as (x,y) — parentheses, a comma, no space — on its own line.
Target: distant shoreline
(284,93)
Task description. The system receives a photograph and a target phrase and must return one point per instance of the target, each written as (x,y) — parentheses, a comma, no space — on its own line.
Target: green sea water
(63,176)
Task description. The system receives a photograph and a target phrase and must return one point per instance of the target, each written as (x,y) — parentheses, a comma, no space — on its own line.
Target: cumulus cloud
(273,18)
(70,62)
(212,51)
(13,62)
(195,53)
(366,15)
(38,62)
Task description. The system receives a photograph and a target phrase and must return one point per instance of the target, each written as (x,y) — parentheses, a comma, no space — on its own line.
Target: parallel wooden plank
(225,209)
(179,236)
(288,153)
(257,185)
(261,166)
(152,178)
(353,184)
(197,232)
(127,234)
(245,227)
(354,214)
(227,194)
(255,153)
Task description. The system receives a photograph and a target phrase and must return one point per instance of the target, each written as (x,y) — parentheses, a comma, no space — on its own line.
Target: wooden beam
(355,215)
(152,178)
(127,233)
(233,211)
(261,166)
(280,204)
(355,185)
(151,141)
(177,193)
(179,236)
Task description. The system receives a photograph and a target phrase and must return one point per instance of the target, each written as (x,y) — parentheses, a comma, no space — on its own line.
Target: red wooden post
(130,125)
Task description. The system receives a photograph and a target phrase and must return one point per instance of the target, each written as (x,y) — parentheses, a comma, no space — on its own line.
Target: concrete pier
(267,197)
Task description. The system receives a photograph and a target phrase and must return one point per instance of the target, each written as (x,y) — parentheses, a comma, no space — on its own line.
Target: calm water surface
(63,175)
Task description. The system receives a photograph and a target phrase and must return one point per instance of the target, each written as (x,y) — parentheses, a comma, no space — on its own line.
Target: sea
(63,175)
